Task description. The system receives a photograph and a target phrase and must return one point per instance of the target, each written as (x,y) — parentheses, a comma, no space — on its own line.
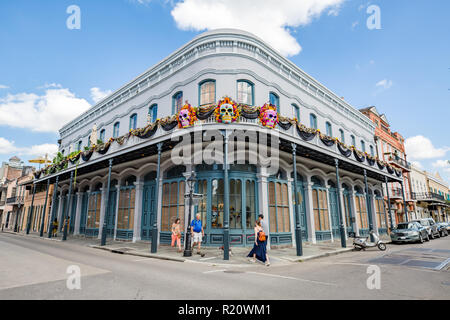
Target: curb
(137,254)
(317,256)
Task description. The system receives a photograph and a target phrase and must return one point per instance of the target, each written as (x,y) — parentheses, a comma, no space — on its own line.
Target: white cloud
(420,147)
(270,20)
(42,113)
(417,164)
(355,24)
(442,164)
(98,95)
(9,147)
(385,84)
(2,86)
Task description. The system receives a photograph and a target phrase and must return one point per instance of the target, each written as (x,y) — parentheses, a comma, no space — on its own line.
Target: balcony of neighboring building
(398,162)
(428,196)
(14,200)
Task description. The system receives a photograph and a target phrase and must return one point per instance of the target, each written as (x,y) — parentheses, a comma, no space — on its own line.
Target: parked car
(431,227)
(442,228)
(409,232)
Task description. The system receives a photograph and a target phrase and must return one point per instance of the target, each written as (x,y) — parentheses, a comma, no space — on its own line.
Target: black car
(442,228)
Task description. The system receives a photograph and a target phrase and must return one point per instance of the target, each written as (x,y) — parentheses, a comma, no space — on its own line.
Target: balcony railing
(393,158)
(428,196)
(396,193)
(2,203)
(14,200)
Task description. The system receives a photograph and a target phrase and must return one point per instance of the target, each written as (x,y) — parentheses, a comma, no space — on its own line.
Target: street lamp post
(187,247)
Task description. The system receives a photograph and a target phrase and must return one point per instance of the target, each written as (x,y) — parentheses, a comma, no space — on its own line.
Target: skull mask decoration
(268,116)
(187,116)
(226,111)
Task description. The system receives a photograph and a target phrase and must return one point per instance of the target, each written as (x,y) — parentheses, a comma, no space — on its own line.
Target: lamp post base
(188,248)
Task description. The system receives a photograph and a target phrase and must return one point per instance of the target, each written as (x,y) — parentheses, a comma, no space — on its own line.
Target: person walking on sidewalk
(265,228)
(176,234)
(197,233)
(259,250)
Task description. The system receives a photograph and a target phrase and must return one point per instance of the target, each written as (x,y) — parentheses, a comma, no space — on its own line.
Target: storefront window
(172,204)
(235,204)
(361,211)
(125,215)
(278,207)
(217,203)
(381,215)
(250,203)
(202,205)
(93,218)
(320,208)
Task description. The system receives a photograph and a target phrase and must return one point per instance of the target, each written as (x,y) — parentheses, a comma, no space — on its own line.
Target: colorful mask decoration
(268,116)
(226,111)
(187,116)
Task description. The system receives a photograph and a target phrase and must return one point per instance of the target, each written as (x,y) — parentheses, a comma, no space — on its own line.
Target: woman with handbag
(176,234)
(259,250)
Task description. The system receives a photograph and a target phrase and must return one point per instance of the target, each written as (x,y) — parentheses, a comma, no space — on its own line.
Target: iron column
(188,247)
(369,203)
(50,226)
(341,222)
(31,211)
(65,213)
(226,199)
(405,207)
(41,233)
(298,228)
(154,245)
(105,220)
(389,202)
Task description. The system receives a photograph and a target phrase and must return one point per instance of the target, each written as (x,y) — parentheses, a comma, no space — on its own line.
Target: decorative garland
(191,114)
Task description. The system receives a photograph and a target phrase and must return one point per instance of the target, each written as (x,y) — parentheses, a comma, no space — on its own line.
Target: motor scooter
(362,243)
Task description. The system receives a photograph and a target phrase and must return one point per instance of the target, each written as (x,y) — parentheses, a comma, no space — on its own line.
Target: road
(32,268)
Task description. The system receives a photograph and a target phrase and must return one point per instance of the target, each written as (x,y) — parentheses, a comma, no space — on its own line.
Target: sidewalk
(213,255)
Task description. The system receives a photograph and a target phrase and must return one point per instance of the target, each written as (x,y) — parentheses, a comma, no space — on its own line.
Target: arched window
(133,121)
(363,146)
(313,121)
(353,140)
(116,129)
(177,102)
(102,135)
(275,100)
(296,110)
(245,92)
(320,208)
(125,213)
(153,112)
(372,153)
(329,129)
(207,92)
(342,135)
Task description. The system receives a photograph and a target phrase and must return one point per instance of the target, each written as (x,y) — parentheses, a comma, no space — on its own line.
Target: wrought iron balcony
(428,196)
(14,200)
(395,193)
(396,160)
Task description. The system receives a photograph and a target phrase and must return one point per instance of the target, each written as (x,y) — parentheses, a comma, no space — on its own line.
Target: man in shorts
(197,233)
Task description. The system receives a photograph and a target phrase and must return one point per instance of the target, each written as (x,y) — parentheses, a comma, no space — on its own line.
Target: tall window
(381,215)
(125,215)
(320,208)
(93,218)
(245,92)
(372,153)
(296,111)
(329,129)
(153,112)
(342,135)
(89,142)
(116,129)
(235,204)
(207,92)
(102,135)
(353,141)
(363,146)
(313,120)
(172,204)
(217,190)
(133,121)
(278,207)
(177,102)
(79,145)
(361,211)
(275,100)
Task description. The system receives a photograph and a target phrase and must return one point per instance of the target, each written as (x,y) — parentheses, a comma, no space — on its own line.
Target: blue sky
(44,65)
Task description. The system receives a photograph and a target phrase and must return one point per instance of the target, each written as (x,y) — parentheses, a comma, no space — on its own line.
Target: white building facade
(234,84)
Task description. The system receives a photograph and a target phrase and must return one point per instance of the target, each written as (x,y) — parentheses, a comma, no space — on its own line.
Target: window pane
(207,92)
(245,93)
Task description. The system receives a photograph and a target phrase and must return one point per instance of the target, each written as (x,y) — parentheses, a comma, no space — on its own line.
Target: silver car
(431,227)
(409,232)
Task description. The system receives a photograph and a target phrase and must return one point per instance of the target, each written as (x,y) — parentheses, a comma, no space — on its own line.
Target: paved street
(32,268)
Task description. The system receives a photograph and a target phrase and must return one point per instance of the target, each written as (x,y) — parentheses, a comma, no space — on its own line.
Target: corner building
(138,126)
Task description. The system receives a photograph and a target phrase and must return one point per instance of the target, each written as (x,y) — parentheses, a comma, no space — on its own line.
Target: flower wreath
(262,111)
(192,114)
(235,109)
